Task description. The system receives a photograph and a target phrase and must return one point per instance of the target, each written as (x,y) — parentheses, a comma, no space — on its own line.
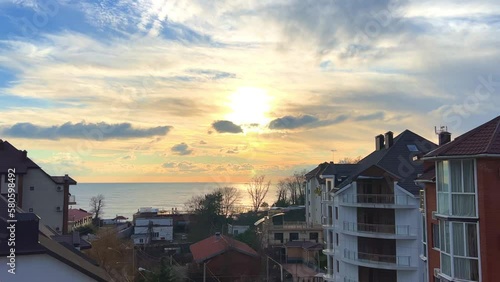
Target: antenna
(333,154)
(441,129)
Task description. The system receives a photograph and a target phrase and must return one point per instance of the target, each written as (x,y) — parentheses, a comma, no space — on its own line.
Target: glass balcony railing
(376,199)
(378,228)
(377,258)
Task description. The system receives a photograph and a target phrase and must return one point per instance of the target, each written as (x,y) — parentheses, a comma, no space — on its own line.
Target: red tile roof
(216,245)
(77,214)
(484,139)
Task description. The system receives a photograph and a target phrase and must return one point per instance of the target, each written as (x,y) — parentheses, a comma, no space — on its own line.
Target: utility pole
(333,154)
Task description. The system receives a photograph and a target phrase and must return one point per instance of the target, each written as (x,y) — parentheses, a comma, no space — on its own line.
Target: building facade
(36,191)
(461,208)
(150,226)
(373,223)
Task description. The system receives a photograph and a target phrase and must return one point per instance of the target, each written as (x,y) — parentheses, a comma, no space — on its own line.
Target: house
(373,222)
(78,218)
(461,208)
(150,226)
(315,185)
(225,258)
(39,256)
(36,191)
(235,229)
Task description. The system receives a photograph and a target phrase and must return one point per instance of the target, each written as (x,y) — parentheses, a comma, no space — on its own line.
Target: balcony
(329,277)
(377,201)
(380,261)
(71,200)
(294,225)
(379,230)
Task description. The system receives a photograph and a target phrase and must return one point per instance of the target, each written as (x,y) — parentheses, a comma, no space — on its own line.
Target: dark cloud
(304,121)
(181,149)
(95,131)
(225,126)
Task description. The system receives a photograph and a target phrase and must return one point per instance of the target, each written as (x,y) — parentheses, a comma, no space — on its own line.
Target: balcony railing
(295,225)
(377,228)
(390,199)
(377,258)
(71,200)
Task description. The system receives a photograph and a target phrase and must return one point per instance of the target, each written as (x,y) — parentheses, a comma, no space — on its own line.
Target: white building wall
(167,232)
(313,202)
(38,268)
(44,199)
(155,221)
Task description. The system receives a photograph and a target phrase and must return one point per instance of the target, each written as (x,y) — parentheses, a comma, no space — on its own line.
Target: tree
(209,213)
(230,196)
(165,273)
(348,160)
(282,194)
(97,203)
(257,189)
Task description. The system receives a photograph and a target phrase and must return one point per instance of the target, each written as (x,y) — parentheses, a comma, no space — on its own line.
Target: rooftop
(77,214)
(216,245)
(482,140)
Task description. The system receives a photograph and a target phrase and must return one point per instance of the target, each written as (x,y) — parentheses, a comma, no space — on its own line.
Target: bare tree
(194,203)
(281,192)
(257,189)
(230,196)
(97,203)
(348,160)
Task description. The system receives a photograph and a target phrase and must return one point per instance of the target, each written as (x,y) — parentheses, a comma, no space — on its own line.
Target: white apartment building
(373,221)
(36,191)
(150,226)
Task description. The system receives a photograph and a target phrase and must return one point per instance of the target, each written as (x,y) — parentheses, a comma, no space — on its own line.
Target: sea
(126,198)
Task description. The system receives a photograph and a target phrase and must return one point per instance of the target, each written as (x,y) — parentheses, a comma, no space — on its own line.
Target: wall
(41,267)
(313,202)
(158,221)
(44,199)
(233,264)
(433,259)
(488,181)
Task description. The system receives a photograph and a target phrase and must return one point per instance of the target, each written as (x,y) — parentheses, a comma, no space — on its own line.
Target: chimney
(389,139)
(379,142)
(76,239)
(444,137)
(66,178)
(25,154)
(217,236)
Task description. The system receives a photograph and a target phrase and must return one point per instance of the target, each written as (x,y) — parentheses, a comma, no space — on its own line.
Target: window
(156,234)
(462,262)
(32,188)
(278,237)
(412,148)
(328,185)
(337,239)
(294,236)
(313,236)
(30,210)
(337,213)
(141,241)
(456,188)
(338,266)
(235,232)
(435,236)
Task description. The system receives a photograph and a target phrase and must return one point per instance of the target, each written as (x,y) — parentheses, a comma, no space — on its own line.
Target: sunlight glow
(249,106)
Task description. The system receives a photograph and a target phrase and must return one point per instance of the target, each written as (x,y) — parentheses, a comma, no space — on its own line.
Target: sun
(249,106)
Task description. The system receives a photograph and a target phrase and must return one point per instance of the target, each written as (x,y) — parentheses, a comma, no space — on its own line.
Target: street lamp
(281,267)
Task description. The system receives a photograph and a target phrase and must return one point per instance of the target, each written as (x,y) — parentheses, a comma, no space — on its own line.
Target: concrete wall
(44,199)
(41,267)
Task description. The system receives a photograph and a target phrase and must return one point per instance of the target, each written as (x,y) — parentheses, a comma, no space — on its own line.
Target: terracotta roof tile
(77,214)
(215,245)
(484,139)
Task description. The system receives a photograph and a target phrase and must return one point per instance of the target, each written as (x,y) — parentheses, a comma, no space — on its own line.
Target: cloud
(303,121)
(203,142)
(225,126)
(82,130)
(181,149)
(374,116)
(184,166)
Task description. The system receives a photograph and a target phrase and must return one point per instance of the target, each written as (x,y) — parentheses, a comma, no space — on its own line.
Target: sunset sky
(219,91)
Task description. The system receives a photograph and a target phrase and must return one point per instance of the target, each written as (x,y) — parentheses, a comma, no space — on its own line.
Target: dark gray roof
(11,157)
(396,160)
(324,169)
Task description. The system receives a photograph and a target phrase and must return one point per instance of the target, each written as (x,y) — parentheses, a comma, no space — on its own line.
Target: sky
(221,91)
